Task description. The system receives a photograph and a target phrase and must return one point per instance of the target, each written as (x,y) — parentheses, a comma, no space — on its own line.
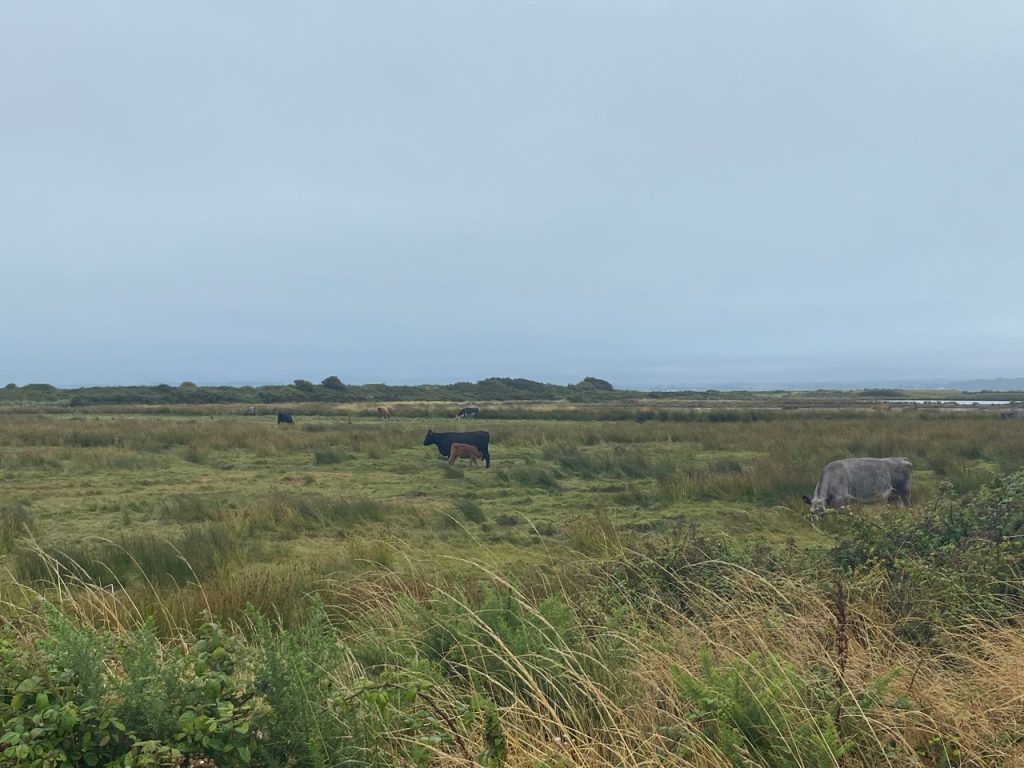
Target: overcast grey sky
(656,193)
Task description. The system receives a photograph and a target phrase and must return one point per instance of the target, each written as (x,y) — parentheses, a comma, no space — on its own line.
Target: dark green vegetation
(185,582)
(493,390)
(330,390)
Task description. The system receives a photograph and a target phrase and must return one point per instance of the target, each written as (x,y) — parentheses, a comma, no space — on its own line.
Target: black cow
(283,417)
(444,440)
(468,413)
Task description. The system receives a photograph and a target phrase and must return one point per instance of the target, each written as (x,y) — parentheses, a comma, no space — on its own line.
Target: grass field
(199,514)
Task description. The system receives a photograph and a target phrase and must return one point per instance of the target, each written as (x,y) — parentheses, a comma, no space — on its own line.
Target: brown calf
(463,451)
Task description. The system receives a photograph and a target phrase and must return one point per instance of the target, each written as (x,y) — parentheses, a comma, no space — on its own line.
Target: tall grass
(132,558)
(610,640)
(684,662)
(15,524)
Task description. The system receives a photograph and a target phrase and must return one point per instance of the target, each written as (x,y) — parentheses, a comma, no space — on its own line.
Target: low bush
(958,557)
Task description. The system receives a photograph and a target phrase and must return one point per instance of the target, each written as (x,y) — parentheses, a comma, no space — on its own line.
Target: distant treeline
(333,390)
(330,390)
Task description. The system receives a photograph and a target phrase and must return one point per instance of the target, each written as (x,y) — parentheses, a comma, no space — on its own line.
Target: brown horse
(463,451)
(383,412)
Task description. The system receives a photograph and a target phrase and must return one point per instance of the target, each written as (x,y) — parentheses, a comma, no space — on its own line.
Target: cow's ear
(807,499)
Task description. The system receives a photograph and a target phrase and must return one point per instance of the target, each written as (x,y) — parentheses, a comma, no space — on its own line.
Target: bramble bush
(960,557)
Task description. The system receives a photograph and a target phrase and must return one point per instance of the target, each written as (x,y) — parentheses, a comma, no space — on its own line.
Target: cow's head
(429,439)
(817,506)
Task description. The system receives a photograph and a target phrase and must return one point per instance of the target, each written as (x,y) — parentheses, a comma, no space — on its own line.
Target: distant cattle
(463,451)
(383,412)
(283,417)
(468,413)
(444,441)
(847,481)
(1011,414)
(250,411)
(881,407)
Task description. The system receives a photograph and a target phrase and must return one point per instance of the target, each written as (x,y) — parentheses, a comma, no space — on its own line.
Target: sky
(660,194)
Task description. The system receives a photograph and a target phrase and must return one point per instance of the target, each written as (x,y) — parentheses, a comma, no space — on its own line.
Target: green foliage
(290,669)
(760,711)
(53,711)
(595,383)
(281,698)
(941,752)
(332,382)
(219,714)
(883,393)
(960,557)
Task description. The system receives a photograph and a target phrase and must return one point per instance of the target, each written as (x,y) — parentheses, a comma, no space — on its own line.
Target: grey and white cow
(853,481)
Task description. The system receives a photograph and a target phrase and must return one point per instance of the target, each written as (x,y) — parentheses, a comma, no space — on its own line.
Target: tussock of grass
(15,524)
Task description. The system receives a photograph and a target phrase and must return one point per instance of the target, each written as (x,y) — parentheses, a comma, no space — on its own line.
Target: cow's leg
(487,459)
(451,459)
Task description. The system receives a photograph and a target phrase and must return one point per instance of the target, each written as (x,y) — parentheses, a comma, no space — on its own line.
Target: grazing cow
(444,440)
(861,480)
(283,417)
(881,407)
(250,411)
(463,451)
(1011,414)
(468,413)
(383,412)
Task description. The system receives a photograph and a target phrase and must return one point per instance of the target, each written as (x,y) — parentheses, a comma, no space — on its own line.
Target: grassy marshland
(609,593)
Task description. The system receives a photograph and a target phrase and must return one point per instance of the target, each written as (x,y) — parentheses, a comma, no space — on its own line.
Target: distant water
(954,402)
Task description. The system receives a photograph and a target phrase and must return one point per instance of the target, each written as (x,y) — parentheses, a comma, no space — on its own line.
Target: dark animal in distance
(383,412)
(444,440)
(863,480)
(468,413)
(283,417)
(463,451)
(1011,414)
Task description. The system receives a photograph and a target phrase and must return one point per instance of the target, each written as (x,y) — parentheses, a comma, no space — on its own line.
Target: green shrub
(959,558)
